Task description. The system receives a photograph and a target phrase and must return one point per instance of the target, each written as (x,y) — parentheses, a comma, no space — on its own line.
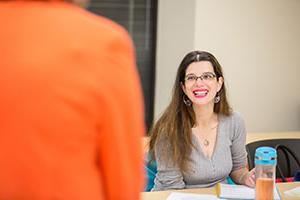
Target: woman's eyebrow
(190,74)
(200,74)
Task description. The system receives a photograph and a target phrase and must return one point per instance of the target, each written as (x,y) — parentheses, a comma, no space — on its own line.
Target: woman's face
(201,83)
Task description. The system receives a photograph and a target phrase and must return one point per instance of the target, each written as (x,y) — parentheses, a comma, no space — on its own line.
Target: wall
(175,37)
(256,42)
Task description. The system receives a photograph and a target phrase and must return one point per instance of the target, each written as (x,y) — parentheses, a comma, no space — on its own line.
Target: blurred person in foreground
(71,105)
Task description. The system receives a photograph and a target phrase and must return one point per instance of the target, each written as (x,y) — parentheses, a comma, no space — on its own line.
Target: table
(162,195)
(287,186)
(252,137)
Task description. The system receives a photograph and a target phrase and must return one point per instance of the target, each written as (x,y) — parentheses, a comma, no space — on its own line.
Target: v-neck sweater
(229,155)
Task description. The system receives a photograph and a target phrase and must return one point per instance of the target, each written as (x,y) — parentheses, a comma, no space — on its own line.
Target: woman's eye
(206,76)
(191,78)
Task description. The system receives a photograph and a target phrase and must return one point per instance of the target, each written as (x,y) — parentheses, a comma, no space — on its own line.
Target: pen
(218,189)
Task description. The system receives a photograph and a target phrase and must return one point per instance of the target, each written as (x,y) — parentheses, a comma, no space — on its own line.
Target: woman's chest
(203,169)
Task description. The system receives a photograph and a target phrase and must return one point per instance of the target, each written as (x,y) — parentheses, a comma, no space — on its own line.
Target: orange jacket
(71,113)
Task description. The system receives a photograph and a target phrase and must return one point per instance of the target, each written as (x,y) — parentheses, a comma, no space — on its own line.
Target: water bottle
(265,172)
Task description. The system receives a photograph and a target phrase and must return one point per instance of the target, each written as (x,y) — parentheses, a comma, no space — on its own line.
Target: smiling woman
(199,140)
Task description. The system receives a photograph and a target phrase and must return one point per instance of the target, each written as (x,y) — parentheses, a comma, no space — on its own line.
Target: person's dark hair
(175,124)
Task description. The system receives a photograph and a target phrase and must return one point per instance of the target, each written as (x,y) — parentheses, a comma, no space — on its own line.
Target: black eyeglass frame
(209,75)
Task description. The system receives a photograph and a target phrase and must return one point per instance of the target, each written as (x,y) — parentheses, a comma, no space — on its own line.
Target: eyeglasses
(208,76)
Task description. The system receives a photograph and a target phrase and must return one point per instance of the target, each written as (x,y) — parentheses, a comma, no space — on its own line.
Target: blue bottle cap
(265,156)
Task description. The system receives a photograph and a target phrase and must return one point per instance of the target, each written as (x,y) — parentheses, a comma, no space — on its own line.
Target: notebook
(227,191)
(190,196)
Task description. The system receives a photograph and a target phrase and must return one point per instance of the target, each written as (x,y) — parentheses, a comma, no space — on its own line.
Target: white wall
(257,43)
(175,37)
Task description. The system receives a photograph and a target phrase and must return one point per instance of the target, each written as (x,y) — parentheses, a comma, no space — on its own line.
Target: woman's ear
(220,83)
(183,87)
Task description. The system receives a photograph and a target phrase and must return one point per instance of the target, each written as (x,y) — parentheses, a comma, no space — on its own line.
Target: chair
(287,163)
(151,170)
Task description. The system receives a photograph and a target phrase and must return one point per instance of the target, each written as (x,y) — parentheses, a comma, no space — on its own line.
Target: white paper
(240,192)
(190,196)
(295,192)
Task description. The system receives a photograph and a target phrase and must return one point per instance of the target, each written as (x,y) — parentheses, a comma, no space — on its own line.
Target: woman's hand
(244,177)
(249,178)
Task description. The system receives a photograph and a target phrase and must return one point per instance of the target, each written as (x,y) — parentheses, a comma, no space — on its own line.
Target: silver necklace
(206,142)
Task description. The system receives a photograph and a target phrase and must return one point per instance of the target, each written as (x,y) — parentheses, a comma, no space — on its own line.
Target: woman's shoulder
(235,116)
(233,125)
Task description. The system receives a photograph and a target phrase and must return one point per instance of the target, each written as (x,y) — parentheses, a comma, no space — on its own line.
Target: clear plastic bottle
(265,172)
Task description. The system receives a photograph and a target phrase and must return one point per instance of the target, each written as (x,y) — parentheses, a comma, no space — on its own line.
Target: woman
(199,141)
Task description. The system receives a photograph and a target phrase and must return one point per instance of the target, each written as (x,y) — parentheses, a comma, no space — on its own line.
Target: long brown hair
(175,124)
